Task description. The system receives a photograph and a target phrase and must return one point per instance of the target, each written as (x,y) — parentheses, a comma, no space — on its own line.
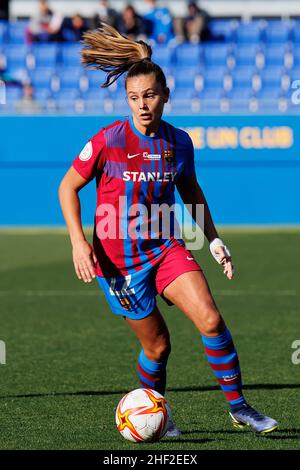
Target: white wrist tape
(214,244)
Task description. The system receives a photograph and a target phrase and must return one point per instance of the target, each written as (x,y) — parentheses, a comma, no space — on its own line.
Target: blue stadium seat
(246,55)
(295,73)
(214,77)
(185,77)
(96,78)
(211,94)
(118,94)
(66,94)
(239,105)
(16,56)
(70,54)
(65,100)
(3,32)
(17,31)
(65,105)
(187,55)
(268,94)
(240,93)
(275,54)
(296,57)
(42,94)
(43,55)
(216,54)
(162,55)
(167,70)
(295,35)
(277,31)
(121,107)
(225,28)
(271,77)
(69,78)
(96,95)
(41,78)
(13,94)
(181,106)
(182,94)
(210,106)
(95,107)
(249,32)
(242,77)
(268,105)
(293,108)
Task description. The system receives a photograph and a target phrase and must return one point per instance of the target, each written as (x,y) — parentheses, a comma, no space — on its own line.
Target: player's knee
(212,323)
(159,351)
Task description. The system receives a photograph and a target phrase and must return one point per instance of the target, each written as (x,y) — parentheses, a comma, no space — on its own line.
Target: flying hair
(106,49)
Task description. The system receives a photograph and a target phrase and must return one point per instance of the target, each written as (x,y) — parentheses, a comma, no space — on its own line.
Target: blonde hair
(106,49)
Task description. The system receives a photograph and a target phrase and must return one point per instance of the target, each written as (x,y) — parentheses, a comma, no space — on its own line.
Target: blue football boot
(248,416)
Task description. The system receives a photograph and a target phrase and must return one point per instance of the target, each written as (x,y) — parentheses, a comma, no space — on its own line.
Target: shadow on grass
(123,392)
(245,387)
(278,434)
(284,434)
(201,431)
(192,441)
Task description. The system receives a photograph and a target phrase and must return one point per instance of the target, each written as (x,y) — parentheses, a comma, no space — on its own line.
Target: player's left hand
(222,255)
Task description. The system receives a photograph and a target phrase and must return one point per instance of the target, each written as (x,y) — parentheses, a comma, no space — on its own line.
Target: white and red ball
(142,415)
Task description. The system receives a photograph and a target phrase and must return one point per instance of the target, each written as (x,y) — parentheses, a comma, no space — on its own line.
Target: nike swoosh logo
(229,379)
(131,156)
(189,258)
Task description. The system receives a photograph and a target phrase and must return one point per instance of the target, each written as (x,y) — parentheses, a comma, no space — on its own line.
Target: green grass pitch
(69,360)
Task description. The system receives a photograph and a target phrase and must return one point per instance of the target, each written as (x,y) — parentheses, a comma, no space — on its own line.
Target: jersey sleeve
(189,160)
(91,158)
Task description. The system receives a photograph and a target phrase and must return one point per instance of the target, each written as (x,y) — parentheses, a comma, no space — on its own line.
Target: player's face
(146,99)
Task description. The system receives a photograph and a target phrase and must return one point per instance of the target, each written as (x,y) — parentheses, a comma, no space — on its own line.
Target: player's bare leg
(191,294)
(154,337)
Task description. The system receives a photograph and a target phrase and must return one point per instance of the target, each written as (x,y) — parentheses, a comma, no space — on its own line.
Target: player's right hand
(84,260)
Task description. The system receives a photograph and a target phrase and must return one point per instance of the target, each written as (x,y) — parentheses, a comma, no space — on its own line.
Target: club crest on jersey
(168,155)
(86,152)
(125,303)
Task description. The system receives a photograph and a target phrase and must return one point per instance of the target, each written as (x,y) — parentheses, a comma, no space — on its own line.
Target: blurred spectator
(105,14)
(161,22)
(28,104)
(73,28)
(45,27)
(131,24)
(195,27)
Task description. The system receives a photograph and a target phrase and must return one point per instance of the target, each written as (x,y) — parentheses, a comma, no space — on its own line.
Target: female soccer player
(137,162)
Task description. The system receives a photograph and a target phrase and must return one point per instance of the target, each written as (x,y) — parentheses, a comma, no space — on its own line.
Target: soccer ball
(143,415)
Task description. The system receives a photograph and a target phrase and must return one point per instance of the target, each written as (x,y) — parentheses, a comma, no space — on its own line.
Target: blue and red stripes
(152,374)
(223,360)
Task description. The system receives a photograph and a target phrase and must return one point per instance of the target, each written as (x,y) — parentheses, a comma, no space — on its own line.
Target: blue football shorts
(134,295)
